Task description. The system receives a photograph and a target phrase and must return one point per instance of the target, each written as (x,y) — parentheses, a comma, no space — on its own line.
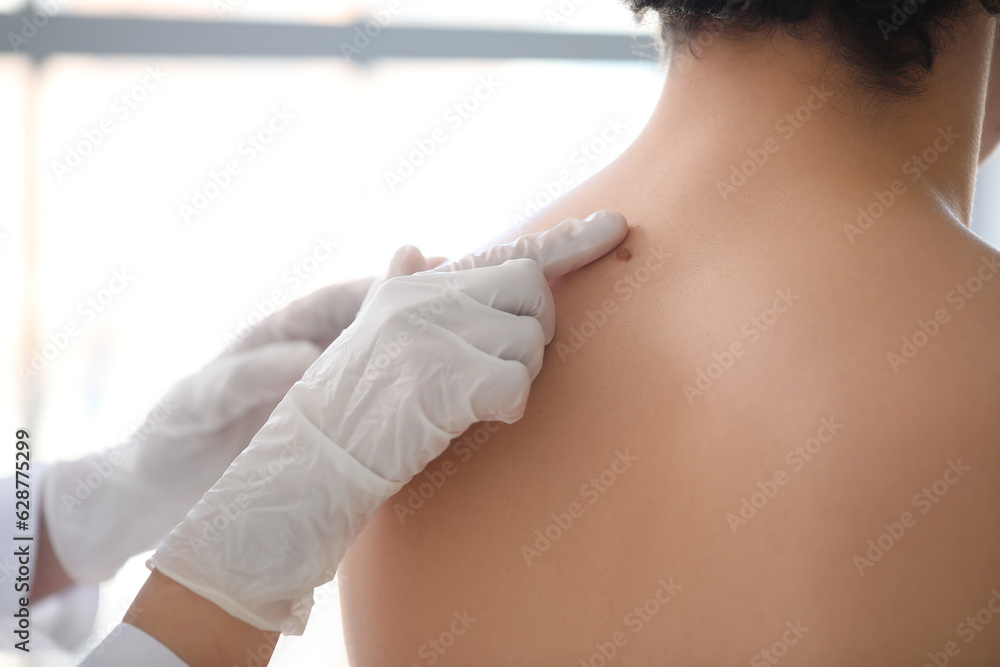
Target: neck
(771,123)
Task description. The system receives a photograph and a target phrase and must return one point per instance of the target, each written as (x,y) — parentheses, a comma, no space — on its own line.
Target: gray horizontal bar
(152,37)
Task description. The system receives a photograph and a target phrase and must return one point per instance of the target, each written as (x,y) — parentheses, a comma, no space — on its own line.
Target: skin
(787,581)
(196,630)
(50,578)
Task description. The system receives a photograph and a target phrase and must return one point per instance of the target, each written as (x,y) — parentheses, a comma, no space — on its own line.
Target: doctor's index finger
(571,244)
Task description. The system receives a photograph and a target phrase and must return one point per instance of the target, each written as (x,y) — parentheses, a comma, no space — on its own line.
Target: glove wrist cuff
(260,557)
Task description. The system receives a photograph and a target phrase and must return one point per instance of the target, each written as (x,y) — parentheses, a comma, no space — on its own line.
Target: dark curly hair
(889,47)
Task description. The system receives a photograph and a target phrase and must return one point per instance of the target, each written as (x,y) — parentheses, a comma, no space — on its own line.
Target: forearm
(197,631)
(50,577)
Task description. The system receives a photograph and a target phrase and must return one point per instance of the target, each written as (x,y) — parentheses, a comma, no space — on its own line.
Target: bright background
(62,235)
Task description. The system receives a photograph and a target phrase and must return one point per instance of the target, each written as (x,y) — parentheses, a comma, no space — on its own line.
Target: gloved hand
(109,506)
(429,356)
(407,261)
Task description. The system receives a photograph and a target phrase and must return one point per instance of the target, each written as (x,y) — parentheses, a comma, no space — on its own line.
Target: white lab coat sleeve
(127,646)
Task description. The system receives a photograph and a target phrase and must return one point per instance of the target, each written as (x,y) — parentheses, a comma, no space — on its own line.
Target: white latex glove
(429,356)
(111,505)
(407,261)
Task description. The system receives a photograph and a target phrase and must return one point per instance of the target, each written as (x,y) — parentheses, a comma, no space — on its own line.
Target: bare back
(741,447)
